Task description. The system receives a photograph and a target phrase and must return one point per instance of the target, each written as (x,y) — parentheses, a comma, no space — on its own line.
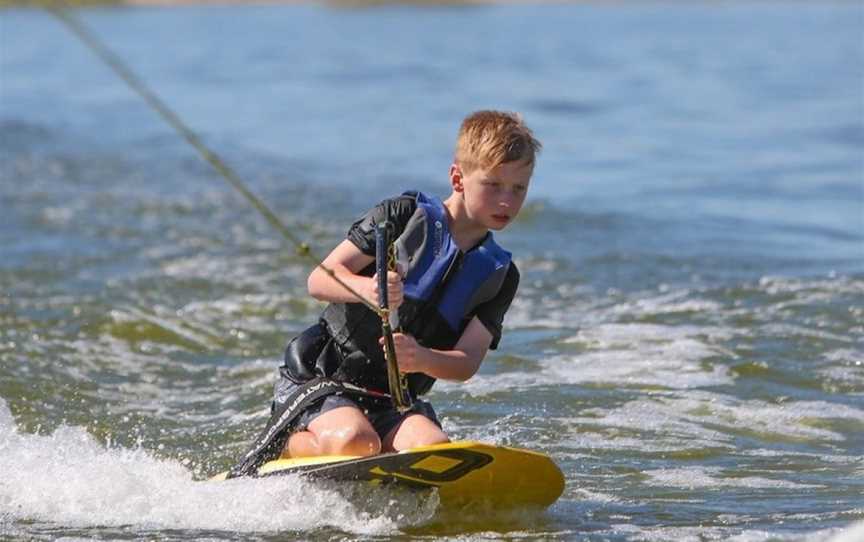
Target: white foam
(616,335)
(629,355)
(650,425)
(843,375)
(712,477)
(785,330)
(70,479)
(855,533)
(701,533)
(60,216)
(678,534)
(668,421)
(666,303)
(793,420)
(674,365)
(586,495)
(822,457)
(248,270)
(509,430)
(775,285)
(558,308)
(765,536)
(532,309)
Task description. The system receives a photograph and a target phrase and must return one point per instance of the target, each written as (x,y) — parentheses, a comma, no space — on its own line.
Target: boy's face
(493,197)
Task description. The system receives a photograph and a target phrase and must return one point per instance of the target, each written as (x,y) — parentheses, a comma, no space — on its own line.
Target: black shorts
(380,412)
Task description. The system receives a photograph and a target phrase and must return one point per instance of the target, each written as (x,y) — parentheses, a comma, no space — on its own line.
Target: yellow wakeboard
(464,473)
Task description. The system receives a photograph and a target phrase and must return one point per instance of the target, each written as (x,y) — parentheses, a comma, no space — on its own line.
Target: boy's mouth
(501,218)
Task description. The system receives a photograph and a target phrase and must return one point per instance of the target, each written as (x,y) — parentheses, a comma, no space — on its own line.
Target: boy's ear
(456,178)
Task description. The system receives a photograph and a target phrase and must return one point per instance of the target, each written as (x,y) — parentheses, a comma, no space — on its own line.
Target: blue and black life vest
(443,288)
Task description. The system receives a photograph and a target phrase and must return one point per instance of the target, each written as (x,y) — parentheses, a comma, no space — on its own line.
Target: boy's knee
(301,444)
(429,440)
(414,432)
(351,441)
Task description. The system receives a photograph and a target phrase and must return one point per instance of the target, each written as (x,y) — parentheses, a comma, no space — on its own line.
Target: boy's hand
(394,289)
(407,353)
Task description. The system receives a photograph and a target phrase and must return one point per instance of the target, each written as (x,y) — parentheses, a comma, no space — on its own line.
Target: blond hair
(488,139)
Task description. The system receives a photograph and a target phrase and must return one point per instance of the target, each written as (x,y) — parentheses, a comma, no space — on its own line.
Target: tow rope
(136,84)
(139,87)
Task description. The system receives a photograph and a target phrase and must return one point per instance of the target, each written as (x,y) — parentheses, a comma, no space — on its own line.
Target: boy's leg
(415,430)
(341,431)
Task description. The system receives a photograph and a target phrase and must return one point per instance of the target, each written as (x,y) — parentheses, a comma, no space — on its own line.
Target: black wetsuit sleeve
(491,313)
(397,210)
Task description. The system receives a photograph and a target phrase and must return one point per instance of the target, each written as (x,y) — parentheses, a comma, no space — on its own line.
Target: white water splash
(713,419)
(713,478)
(727,534)
(629,355)
(68,478)
(855,533)
(678,301)
(775,285)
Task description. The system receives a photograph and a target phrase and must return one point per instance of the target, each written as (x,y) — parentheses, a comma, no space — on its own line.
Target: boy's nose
(507,199)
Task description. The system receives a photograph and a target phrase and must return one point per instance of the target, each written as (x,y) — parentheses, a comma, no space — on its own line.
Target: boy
(452,291)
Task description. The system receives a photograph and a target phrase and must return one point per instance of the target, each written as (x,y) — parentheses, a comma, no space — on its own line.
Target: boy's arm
(460,363)
(481,334)
(358,251)
(346,260)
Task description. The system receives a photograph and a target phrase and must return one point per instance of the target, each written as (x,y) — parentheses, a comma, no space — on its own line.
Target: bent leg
(341,431)
(415,430)
(301,444)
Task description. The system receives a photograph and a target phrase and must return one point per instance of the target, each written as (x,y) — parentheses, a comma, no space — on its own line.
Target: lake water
(687,341)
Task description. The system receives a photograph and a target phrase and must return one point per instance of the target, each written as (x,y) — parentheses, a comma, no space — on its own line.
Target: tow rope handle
(395,380)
